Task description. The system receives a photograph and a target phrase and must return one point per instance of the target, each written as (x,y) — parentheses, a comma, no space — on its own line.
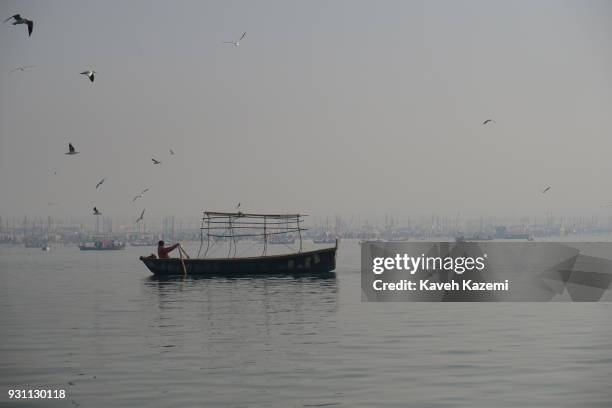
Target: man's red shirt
(163,252)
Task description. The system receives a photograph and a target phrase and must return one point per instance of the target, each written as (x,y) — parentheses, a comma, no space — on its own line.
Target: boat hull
(312,262)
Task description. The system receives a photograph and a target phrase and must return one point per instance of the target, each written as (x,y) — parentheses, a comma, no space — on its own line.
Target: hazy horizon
(343,107)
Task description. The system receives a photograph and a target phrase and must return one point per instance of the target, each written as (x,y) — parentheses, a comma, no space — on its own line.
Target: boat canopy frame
(232,225)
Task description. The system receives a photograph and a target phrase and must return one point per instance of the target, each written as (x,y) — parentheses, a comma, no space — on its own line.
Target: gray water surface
(99,326)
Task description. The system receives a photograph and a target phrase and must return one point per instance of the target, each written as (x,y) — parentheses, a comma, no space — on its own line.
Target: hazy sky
(326,107)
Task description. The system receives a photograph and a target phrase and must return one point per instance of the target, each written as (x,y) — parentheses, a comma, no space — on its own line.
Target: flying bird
(156,161)
(545,190)
(140,195)
(236,43)
(71,149)
(89,74)
(100,183)
(96,211)
(23,68)
(238,206)
(172,152)
(141,216)
(17,19)
(486,122)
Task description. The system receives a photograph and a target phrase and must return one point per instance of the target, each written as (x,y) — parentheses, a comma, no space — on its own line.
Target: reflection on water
(285,277)
(257,299)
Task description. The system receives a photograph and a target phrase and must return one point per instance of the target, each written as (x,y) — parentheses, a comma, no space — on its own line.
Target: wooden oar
(180,248)
(184,252)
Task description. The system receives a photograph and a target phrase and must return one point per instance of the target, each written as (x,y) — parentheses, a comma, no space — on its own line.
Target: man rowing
(162,252)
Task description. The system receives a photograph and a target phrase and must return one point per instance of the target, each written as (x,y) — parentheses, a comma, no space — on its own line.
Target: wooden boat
(321,261)
(234,226)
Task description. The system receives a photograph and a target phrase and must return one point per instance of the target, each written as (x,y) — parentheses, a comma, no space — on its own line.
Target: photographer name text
(414,264)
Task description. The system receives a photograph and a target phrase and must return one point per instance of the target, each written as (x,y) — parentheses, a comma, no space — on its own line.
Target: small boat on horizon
(281,240)
(142,243)
(326,238)
(102,245)
(35,242)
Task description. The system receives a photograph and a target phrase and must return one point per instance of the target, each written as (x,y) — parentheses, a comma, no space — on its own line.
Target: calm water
(97,325)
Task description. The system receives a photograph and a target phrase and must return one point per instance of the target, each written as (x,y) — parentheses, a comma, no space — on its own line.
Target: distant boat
(232,227)
(281,240)
(518,236)
(102,245)
(324,239)
(142,243)
(475,237)
(35,242)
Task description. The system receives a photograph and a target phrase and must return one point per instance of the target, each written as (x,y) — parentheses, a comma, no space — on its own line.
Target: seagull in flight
(17,19)
(156,161)
(171,152)
(89,74)
(23,68)
(100,183)
(236,43)
(486,122)
(140,195)
(545,190)
(238,206)
(141,216)
(71,149)
(96,211)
